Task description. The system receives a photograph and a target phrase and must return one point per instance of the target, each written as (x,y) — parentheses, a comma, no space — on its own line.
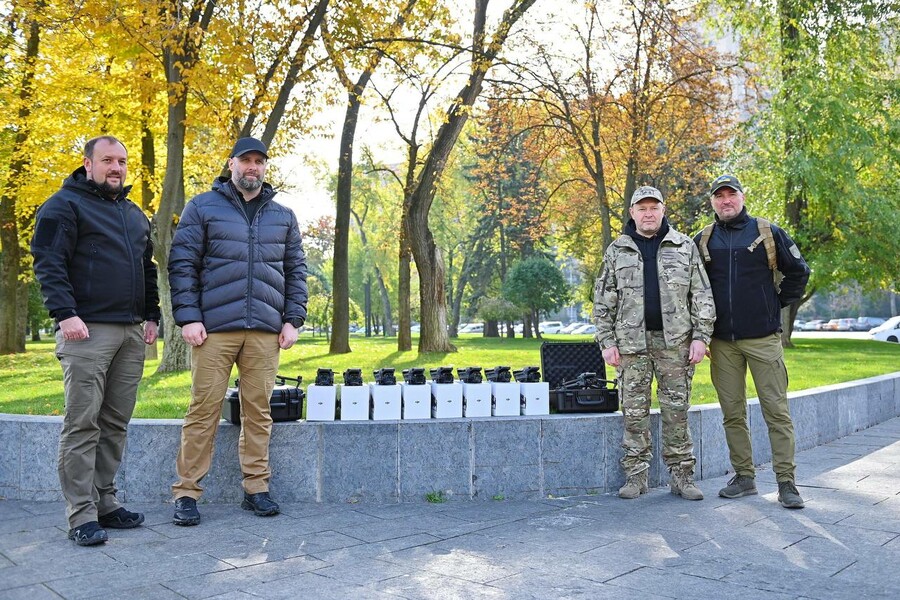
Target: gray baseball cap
(725,181)
(645,191)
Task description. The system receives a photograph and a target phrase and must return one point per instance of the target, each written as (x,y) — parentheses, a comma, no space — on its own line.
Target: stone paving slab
(844,544)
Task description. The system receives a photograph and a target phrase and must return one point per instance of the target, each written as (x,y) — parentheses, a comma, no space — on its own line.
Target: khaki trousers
(101,376)
(728,368)
(256,354)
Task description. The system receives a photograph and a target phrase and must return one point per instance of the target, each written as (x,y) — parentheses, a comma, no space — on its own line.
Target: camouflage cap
(725,181)
(645,191)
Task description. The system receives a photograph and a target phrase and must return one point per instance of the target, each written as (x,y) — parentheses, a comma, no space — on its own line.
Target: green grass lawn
(31,383)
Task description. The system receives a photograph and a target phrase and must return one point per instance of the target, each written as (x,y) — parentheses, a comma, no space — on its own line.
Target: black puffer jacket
(93,256)
(230,274)
(747,303)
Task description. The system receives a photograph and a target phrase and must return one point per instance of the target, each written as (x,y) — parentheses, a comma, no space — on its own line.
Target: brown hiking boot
(634,486)
(682,483)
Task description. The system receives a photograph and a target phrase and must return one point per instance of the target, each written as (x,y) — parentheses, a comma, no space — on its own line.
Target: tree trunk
(148,162)
(433,299)
(340,280)
(176,354)
(404,285)
(491,329)
(13,312)
(387,319)
(178,59)
(433,336)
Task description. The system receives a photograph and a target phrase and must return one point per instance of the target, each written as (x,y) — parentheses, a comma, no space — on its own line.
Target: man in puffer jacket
(237,274)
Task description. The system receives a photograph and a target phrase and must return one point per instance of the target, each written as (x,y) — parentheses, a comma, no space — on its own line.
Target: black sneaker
(261,504)
(88,534)
(186,513)
(739,486)
(788,495)
(121,519)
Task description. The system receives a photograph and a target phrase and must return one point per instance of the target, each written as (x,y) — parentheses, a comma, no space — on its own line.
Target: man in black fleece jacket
(94,260)
(748,333)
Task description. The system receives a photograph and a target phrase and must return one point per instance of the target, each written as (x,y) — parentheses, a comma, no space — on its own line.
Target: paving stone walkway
(844,544)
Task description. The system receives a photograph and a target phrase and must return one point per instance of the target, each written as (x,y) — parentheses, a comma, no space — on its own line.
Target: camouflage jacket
(688,309)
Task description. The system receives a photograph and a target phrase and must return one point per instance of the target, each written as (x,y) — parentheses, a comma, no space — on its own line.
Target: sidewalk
(844,544)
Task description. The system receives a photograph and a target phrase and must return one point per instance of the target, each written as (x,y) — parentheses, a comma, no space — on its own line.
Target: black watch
(296,322)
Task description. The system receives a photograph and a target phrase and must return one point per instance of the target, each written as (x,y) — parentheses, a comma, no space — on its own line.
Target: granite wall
(469,459)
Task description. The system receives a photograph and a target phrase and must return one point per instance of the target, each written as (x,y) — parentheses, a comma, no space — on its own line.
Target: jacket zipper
(130,256)
(730,286)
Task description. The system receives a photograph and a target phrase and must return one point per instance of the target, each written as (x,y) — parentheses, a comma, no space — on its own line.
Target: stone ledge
(469,459)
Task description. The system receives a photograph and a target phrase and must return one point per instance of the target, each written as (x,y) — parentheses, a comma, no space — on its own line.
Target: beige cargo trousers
(728,368)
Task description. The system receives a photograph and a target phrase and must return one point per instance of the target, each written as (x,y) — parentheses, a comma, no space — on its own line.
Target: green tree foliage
(493,310)
(820,155)
(536,285)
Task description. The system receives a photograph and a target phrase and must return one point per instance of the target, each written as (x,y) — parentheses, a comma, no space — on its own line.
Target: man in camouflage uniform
(654,313)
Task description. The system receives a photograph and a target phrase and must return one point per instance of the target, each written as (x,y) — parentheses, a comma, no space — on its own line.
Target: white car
(572,327)
(889,331)
(473,328)
(550,326)
(586,329)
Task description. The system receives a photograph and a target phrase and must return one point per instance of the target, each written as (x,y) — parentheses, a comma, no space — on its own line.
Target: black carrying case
(565,361)
(286,401)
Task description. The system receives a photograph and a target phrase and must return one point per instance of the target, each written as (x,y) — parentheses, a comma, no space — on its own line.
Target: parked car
(572,327)
(798,325)
(586,329)
(550,326)
(838,325)
(889,331)
(813,325)
(867,323)
(473,328)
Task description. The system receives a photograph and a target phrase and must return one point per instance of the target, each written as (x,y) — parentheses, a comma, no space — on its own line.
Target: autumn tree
(13,294)
(370,55)
(429,262)
(642,99)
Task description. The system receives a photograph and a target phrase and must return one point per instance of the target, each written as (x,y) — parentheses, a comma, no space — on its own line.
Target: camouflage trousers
(673,380)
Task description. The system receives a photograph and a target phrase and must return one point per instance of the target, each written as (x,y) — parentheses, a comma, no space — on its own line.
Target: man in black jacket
(94,260)
(748,332)
(237,272)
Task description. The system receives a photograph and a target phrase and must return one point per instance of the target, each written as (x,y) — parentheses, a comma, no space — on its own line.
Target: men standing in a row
(654,313)
(93,259)
(742,254)
(238,277)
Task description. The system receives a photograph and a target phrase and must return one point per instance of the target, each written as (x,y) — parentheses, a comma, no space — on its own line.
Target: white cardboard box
(505,401)
(320,402)
(476,399)
(416,401)
(385,404)
(446,400)
(535,398)
(354,402)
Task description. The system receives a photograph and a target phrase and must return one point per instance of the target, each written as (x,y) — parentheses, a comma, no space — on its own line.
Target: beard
(250,185)
(111,191)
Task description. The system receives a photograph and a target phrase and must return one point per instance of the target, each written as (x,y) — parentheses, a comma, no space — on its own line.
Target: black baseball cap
(249,144)
(725,181)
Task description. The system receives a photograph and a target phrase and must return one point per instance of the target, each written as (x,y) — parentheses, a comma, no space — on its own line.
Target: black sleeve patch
(45,232)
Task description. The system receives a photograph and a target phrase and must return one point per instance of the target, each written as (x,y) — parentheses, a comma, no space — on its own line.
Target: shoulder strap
(704,242)
(765,230)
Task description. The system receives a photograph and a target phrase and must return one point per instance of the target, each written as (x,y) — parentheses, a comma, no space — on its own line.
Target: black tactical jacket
(93,256)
